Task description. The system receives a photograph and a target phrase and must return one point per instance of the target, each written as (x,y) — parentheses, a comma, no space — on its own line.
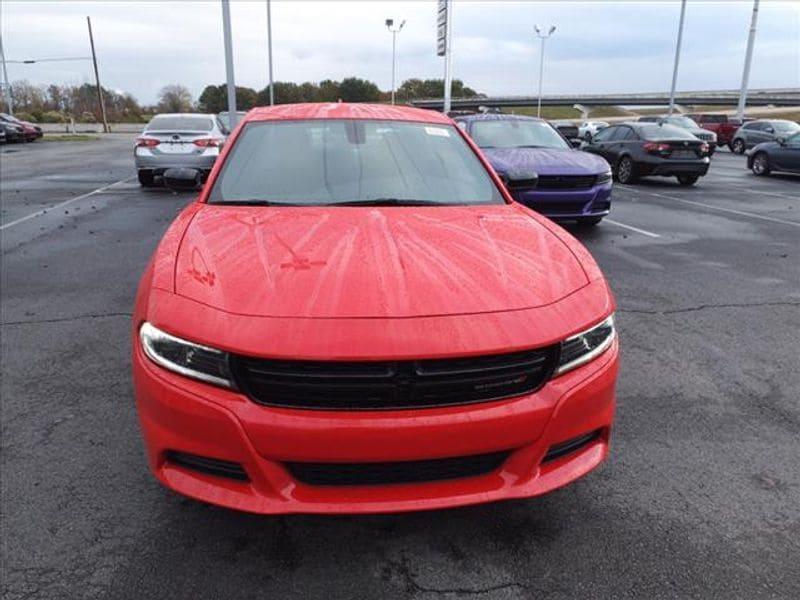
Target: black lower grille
(392,385)
(570,446)
(209,466)
(396,472)
(565,182)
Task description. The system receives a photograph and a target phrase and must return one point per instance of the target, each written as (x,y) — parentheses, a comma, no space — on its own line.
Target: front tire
(688,180)
(761,164)
(146,178)
(626,170)
(738,146)
(587,137)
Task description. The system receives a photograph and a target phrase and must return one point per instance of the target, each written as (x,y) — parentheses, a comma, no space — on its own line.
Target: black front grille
(565,182)
(396,472)
(209,466)
(384,385)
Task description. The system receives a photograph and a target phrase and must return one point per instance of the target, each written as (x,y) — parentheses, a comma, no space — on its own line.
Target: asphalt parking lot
(700,498)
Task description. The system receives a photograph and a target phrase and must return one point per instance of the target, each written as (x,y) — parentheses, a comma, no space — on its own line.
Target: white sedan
(587,129)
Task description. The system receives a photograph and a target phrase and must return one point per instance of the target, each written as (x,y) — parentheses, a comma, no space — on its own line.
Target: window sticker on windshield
(441,132)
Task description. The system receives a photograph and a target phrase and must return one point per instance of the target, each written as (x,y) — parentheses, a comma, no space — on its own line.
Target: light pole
(394,31)
(751,38)
(269,44)
(228,40)
(677,59)
(97,78)
(542,36)
(6,87)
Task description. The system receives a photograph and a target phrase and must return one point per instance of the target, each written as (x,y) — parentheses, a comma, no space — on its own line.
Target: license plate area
(176,147)
(683,155)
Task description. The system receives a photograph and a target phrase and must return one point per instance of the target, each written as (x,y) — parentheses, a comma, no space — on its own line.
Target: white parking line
(62,204)
(632,228)
(712,207)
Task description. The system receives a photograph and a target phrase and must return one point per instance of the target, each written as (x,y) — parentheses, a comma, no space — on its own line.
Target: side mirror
(770,130)
(182,179)
(781,141)
(520,178)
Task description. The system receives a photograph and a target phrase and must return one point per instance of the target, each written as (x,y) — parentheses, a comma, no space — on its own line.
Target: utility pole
(751,39)
(543,37)
(677,60)
(269,44)
(394,31)
(97,78)
(6,86)
(228,38)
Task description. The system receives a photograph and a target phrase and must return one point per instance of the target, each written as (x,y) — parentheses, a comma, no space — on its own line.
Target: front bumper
(568,204)
(178,414)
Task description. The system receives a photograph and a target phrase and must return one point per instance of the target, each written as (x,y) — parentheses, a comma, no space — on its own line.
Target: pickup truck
(723,125)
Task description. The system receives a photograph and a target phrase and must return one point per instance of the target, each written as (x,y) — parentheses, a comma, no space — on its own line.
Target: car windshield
(327,161)
(516,133)
(178,123)
(785,126)
(655,133)
(684,122)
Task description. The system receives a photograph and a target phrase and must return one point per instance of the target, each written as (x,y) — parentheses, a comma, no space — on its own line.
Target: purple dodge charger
(571,185)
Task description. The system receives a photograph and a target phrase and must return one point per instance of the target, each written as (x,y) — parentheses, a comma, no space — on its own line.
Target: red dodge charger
(354,316)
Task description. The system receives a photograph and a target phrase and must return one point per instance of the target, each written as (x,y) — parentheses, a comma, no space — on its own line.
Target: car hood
(545,161)
(376,262)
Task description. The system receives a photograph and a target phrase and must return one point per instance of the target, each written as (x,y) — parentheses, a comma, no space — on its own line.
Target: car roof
(186,115)
(345,110)
(496,117)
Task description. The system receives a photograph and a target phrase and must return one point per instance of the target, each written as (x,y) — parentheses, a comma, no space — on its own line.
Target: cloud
(597,47)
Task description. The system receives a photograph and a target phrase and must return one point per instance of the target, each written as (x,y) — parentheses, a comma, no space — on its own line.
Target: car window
(793,141)
(754,126)
(604,135)
(655,132)
(627,135)
(516,133)
(785,126)
(318,162)
(178,123)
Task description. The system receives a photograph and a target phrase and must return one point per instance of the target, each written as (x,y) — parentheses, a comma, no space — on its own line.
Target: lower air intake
(570,446)
(396,472)
(209,466)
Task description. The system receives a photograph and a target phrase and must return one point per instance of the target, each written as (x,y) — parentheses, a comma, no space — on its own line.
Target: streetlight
(751,38)
(269,43)
(543,37)
(394,31)
(677,59)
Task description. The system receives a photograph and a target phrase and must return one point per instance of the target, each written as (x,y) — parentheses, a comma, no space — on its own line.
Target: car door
(758,133)
(600,141)
(786,157)
(616,145)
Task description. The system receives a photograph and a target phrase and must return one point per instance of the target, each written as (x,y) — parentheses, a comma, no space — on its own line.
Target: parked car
(782,155)
(570,184)
(354,316)
(12,132)
(762,130)
(723,126)
(588,128)
(30,132)
(175,140)
(639,149)
(689,125)
(2,135)
(225,121)
(569,130)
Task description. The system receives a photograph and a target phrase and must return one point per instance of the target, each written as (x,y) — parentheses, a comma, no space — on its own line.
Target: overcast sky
(598,46)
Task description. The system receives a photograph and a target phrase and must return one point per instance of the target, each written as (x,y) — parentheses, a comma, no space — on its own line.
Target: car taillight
(207,142)
(655,147)
(147,142)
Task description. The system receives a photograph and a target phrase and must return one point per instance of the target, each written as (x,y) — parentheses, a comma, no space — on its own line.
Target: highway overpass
(759,97)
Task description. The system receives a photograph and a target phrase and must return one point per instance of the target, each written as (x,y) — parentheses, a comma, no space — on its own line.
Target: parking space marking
(64,203)
(712,207)
(632,228)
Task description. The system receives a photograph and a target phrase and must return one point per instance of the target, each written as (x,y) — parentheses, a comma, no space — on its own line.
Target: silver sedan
(187,140)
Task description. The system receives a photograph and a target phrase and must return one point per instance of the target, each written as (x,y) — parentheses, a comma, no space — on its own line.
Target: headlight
(604,177)
(184,357)
(586,346)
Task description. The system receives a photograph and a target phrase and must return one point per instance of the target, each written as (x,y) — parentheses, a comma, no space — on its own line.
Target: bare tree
(174,98)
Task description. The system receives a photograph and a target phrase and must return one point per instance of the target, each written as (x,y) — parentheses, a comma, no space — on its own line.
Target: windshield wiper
(387,202)
(253,203)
